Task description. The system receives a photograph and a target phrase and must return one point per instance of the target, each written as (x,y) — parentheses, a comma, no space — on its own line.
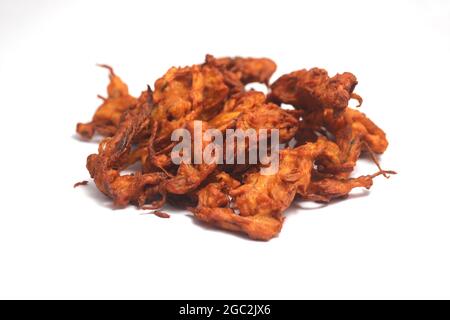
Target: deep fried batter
(327,189)
(313,89)
(321,142)
(107,117)
(241,71)
(189,175)
(262,199)
(112,156)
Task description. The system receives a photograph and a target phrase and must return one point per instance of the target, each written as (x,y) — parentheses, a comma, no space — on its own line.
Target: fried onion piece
(241,71)
(113,153)
(354,133)
(235,106)
(186,94)
(190,175)
(270,116)
(261,228)
(327,189)
(216,193)
(261,200)
(107,117)
(368,130)
(213,196)
(213,209)
(313,90)
(272,194)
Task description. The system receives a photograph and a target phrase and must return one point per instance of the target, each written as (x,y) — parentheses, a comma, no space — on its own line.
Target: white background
(60,242)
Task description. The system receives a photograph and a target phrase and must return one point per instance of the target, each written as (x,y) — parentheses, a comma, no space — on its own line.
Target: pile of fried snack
(323,140)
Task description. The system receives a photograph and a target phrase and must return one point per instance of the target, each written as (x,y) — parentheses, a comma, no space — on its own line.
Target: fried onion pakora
(107,117)
(313,89)
(321,141)
(239,72)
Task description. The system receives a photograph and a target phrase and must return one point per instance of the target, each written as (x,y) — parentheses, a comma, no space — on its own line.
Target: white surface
(60,242)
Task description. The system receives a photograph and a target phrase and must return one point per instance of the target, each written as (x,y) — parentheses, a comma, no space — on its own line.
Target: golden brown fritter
(313,90)
(107,117)
(321,141)
(112,157)
(189,175)
(239,72)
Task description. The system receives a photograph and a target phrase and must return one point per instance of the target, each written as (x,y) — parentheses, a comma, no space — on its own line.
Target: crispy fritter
(329,188)
(262,199)
(313,90)
(112,157)
(190,175)
(321,141)
(239,72)
(107,118)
